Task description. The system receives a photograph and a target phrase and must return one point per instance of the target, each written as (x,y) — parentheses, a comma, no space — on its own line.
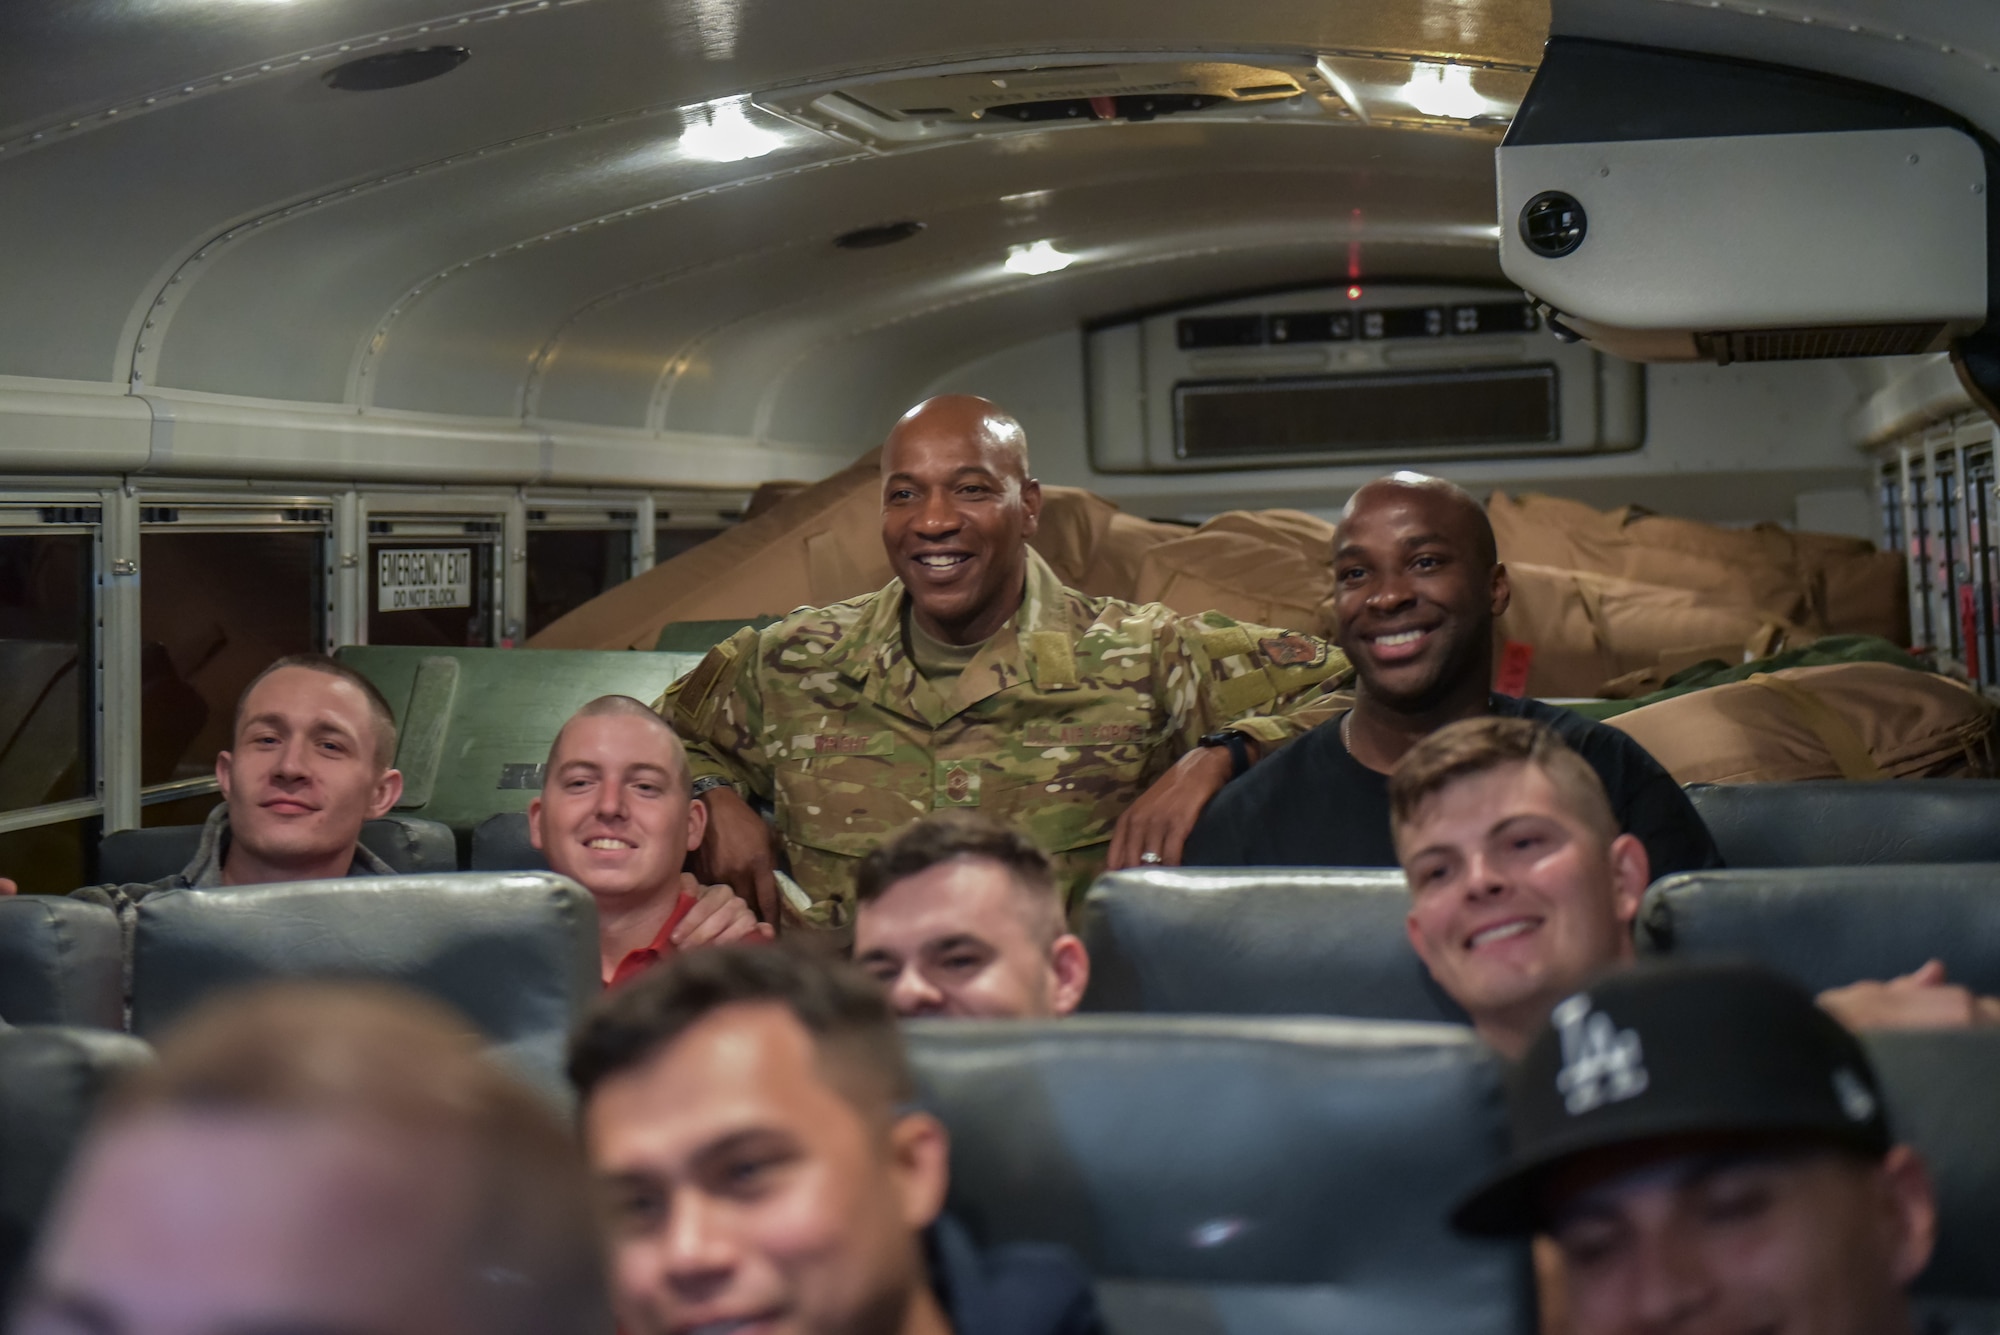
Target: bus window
(674,537)
(46,648)
(221,596)
(52,859)
(574,555)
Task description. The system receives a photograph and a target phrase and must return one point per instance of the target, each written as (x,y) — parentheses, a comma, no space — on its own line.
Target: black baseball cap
(1667,1049)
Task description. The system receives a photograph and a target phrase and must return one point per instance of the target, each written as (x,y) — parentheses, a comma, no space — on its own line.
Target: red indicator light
(1354,294)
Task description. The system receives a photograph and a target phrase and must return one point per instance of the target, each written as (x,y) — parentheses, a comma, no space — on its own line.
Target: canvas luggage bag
(1841,720)
(1573,630)
(1861,589)
(1758,566)
(1268,567)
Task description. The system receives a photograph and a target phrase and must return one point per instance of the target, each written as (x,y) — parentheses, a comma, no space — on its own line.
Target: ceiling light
(1041,257)
(725,134)
(1445,91)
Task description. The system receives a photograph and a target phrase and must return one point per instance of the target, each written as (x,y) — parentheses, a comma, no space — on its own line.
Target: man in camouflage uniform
(976,680)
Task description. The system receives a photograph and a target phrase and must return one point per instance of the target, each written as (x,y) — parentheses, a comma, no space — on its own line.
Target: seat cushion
(1270,941)
(50,1082)
(1943,1088)
(517,954)
(1838,824)
(407,843)
(61,962)
(1830,926)
(1234,1175)
(500,843)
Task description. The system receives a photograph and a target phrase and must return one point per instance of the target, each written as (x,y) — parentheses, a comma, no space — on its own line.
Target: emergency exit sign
(410,579)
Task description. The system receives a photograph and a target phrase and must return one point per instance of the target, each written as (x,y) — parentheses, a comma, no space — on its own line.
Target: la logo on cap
(1601,1063)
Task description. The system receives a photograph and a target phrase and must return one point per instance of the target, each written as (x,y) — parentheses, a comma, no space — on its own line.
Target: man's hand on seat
(1159,822)
(1922,999)
(7,887)
(719,918)
(736,852)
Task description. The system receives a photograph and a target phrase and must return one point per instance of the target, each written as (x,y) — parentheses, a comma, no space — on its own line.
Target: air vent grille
(1363,414)
(1791,345)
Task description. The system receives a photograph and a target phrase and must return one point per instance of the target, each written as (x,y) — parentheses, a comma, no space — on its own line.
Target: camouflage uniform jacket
(1065,716)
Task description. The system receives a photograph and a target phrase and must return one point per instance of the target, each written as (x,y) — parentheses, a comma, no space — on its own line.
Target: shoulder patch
(1293,650)
(694,703)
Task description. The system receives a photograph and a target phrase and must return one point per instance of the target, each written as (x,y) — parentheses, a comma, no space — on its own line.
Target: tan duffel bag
(1269,567)
(1837,721)
(1577,630)
(1821,581)
(1755,566)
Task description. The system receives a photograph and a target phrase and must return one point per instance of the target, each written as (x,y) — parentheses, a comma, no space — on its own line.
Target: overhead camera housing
(1667,206)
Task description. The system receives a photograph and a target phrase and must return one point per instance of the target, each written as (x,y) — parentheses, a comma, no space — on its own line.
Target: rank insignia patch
(1293,650)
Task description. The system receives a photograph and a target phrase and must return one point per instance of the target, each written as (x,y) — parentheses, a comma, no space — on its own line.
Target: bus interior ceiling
(293,287)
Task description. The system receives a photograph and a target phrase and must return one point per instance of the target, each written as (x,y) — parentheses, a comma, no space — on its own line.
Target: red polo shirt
(646,956)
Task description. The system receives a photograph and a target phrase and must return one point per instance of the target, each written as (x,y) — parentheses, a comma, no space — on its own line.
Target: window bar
(645,519)
(118,673)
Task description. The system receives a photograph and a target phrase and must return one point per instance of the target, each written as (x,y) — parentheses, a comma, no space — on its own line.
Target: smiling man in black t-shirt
(1418,586)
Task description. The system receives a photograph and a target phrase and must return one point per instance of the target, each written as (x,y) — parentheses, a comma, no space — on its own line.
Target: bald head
(998,438)
(640,718)
(1447,502)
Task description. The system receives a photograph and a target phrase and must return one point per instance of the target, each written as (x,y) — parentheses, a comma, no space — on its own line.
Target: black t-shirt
(1313,805)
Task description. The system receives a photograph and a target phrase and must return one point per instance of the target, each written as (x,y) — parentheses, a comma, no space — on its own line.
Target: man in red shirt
(616,815)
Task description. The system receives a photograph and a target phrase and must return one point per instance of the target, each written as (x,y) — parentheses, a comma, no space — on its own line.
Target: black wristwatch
(1239,748)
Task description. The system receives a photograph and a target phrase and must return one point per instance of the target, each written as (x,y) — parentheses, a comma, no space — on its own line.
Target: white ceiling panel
(752,267)
(183,163)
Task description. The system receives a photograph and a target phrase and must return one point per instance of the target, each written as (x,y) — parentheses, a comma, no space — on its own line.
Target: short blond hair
(1471,747)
